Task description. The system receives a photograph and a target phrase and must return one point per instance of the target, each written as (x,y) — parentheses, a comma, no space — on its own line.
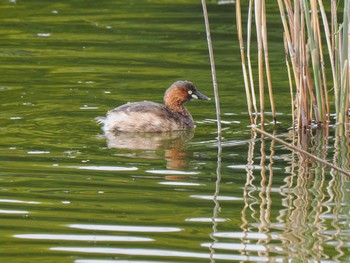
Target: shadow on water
(313,221)
(171,143)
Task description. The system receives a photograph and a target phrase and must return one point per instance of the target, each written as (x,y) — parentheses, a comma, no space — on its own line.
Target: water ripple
(248,235)
(38,152)
(180,183)
(3,211)
(220,197)
(236,246)
(170,172)
(160,253)
(18,201)
(115,261)
(206,219)
(105,168)
(92,238)
(151,229)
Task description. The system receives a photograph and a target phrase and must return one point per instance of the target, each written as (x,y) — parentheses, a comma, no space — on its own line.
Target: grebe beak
(199,96)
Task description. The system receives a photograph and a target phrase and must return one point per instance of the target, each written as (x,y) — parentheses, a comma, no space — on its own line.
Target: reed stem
(241,47)
(258,25)
(267,63)
(306,62)
(212,65)
(249,31)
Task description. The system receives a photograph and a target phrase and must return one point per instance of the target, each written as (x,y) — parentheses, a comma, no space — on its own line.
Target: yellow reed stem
(291,49)
(267,64)
(314,55)
(330,52)
(213,71)
(249,30)
(290,81)
(244,69)
(258,24)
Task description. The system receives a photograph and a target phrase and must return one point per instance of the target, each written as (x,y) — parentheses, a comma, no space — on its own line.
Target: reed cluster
(310,36)
(263,59)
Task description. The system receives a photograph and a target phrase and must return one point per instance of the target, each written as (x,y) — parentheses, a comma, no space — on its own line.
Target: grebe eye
(190,92)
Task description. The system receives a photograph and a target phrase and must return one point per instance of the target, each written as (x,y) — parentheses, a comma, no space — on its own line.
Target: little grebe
(147,116)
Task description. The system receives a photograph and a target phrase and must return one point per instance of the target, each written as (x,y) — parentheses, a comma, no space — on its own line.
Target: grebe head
(181,92)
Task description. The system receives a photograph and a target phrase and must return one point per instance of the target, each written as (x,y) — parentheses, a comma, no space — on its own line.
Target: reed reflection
(255,214)
(147,145)
(338,194)
(312,219)
(216,208)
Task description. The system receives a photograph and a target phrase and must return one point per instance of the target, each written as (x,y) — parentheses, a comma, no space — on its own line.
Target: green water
(69,194)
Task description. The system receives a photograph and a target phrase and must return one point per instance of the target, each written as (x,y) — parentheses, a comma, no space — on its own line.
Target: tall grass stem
(244,68)
(212,65)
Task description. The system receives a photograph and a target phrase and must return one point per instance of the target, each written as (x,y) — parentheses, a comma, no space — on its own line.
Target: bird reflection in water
(149,144)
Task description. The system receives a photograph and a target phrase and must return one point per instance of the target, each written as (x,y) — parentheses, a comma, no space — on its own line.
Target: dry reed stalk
(334,23)
(344,88)
(314,53)
(339,57)
(296,32)
(304,116)
(344,94)
(258,25)
(304,41)
(290,81)
(323,80)
(241,46)
(290,15)
(347,92)
(296,40)
(345,31)
(249,30)
(213,71)
(334,28)
(318,159)
(329,47)
(291,51)
(304,50)
(267,63)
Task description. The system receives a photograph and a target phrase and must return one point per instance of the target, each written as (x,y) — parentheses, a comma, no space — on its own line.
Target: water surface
(70,194)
